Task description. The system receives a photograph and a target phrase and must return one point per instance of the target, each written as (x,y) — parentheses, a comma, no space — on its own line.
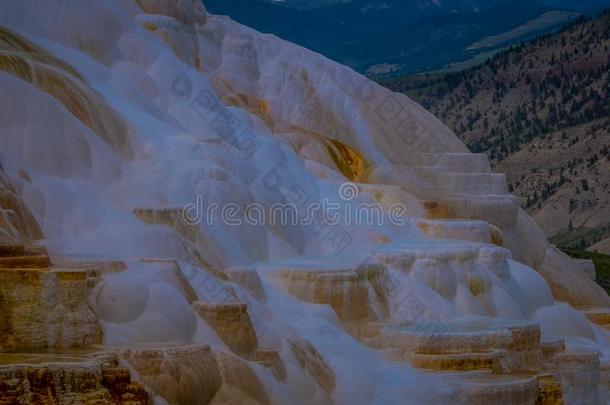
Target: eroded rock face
(549,390)
(45,308)
(355,292)
(17,224)
(311,360)
(579,375)
(500,390)
(342,289)
(231,322)
(196,375)
(240,384)
(182,374)
(272,360)
(248,278)
(41,306)
(200,247)
(84,381)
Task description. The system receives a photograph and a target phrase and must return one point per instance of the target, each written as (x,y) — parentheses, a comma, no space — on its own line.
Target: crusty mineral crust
(45,308)
(231,322)
(312,361)
(90,381)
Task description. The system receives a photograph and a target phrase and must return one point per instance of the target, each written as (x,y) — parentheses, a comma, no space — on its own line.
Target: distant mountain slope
(305,4)
(578,5)
(437,40)
(541,112)
(393,36)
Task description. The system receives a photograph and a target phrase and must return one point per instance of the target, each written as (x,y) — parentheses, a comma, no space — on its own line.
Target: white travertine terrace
(122,121)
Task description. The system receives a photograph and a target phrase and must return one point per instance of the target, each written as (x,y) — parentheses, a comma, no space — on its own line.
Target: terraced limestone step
(434,183)
(94,266)
(499,210)
(472,183)
(404,256)
(45,308)
(402,337)
(578,372)
(527,353)
(201,248)
(484,387)
(431,176)
(178,373)
(499,390)
(468,230)
(62,379)
(447,268)
(20,257)
(169,271)
(195,374)
(501,349)
(248,278)
(552,347)
(271,360)
(599,316)
(549,390)
(231,322)
(356,291)
(313,363)
(25,262)
(497,361)
(604,373)
(454,162)
(9,249)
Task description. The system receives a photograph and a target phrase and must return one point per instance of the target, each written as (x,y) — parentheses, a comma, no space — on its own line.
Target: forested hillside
(542,113)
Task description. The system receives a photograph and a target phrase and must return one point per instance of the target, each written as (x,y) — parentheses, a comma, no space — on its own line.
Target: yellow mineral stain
(25,60)
(549,390)
(380,238)
(436,210)
(496,235)
(15,44)
(378,195)
(425,227)
(263,106)
(233,98)
(348,160)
